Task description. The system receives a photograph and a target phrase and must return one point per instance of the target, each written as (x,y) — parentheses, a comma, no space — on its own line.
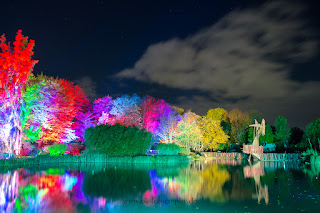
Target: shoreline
(92,159)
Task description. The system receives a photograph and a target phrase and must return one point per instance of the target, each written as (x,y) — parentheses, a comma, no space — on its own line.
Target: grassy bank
(91,159)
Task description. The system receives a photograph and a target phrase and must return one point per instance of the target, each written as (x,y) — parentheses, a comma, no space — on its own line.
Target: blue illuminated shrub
(168,149)
(117,140)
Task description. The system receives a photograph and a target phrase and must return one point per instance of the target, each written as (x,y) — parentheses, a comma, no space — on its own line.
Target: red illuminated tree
(15,67)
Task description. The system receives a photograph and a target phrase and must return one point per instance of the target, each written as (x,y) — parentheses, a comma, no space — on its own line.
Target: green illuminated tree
(282,132)
(255,115)
(268,137)
(313,133)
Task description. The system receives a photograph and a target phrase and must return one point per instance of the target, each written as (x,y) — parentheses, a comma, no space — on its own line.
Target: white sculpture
(259,129)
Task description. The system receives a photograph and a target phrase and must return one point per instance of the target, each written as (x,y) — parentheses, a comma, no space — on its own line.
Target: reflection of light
(69,182)
(8,191)
(256,171)
(40,192)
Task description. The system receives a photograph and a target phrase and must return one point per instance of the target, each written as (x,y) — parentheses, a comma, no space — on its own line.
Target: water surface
(216,186)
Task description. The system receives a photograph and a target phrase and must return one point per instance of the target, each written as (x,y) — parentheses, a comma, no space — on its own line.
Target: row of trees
(41,110)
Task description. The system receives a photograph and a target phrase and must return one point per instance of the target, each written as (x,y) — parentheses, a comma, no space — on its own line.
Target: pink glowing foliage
(152,110)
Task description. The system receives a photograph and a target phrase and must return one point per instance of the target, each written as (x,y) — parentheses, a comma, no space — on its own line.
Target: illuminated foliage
(84,120)
(168,149)
(126,110)
(313,133)
(213,134)
(54,110)
(168,127)
(42,109)
(218,114)
(240,122)
(255,115)
(100,106)
(57,149)
(267,138)
(189,132)
(15,67)
(151,110)
(117,140)
(282,131)
(180,110)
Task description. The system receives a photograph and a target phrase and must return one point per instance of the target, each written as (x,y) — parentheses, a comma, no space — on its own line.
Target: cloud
(88,86)
(246,56)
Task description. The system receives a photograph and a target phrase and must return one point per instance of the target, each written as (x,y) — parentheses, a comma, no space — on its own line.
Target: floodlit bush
(184,151)
(168,149)
(57,149)
(311,154)
(117,140)
(75,148)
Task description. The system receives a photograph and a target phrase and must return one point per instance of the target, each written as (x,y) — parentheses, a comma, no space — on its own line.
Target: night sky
(246,54)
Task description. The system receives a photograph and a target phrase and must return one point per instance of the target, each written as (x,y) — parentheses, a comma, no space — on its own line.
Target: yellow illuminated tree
(217,114)
(213,134)
(179,109)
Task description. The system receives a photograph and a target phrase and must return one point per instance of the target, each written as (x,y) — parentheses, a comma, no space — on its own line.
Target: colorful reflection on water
(216,185)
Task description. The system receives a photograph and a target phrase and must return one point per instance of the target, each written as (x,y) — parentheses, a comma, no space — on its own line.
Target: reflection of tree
(313,172)
(123,182)
(54,190)
(213,180)
(284,180)
(8,191)
(190,182)
(241,187)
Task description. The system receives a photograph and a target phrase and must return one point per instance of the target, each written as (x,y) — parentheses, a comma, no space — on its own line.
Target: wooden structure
(253,150)
(223,155)
(263,156)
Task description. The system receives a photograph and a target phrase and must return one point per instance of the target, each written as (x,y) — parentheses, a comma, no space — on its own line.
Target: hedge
(117,140)
(168,149)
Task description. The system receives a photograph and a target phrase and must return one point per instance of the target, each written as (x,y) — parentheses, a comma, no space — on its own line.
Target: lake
(201,186)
